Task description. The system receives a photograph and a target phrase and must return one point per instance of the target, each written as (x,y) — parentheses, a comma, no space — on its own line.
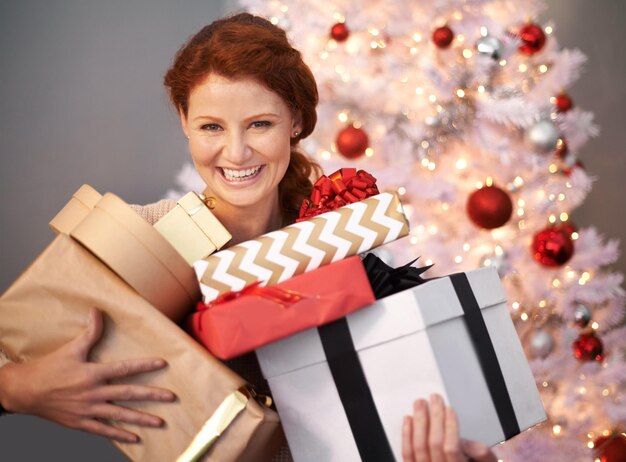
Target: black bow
(386,280)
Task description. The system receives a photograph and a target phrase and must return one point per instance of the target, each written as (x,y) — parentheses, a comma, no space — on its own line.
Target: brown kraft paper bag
(49,304)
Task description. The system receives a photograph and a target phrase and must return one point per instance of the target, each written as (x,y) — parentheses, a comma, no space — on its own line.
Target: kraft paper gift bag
(48,305)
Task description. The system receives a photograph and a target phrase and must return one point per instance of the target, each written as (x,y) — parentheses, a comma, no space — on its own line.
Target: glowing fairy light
(445,206)
(561,197)
(425,161)
(414,240)
(284,8)
(402,190)
(460,93)
(564,216)
(515,305)
(417,37)
(460,38)
(523,67)
(556,429)
(466,247)
(432,98)
(524,317)
(369,152)
(481,89)
(339,17)
(428,262)
(575,235)
(552,219)
(595,325)
(343,117)
(425,144)
(548,30)
(502,62)
(419,90)
(542,303)
(461,164)
(467,54)
(518,181)
(325,155)
(553,168)
(458,259)
(543,68)
(489,181)
(432,166)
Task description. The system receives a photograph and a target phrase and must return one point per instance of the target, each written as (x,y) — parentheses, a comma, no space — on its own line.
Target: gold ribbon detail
(216,424)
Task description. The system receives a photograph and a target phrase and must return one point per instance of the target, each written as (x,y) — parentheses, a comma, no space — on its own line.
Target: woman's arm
(66,388)
(431,434)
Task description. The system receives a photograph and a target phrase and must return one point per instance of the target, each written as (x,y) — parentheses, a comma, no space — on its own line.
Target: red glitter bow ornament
(345,186)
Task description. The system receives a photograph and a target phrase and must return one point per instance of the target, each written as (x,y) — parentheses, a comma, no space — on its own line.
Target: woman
(245,99)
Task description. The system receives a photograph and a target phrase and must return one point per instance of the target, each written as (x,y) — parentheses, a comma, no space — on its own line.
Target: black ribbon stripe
(354,392)
(486,355)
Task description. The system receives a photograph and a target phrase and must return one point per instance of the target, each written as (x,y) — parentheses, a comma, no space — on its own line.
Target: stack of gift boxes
(345,344)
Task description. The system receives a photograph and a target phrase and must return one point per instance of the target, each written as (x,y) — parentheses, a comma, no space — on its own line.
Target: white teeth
(235,175)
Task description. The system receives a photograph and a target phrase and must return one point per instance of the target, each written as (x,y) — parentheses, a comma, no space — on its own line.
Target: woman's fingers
(437,428)
(123,414)
(407,439)
(119,369)
(131,393)
(478,452)
(108,431)
(420,431)
(451,443)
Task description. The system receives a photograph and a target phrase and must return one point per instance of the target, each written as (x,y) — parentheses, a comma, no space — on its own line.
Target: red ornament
(442,36)
(340,32)
(489,207)
(588,347)
(553,246)
(352,142)
(562,102)
(533,39)
(610,448)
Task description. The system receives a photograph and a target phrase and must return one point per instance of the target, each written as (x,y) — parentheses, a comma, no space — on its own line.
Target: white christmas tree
(460,106)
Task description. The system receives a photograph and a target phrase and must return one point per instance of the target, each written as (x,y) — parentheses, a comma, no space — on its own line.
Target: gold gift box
(192,229)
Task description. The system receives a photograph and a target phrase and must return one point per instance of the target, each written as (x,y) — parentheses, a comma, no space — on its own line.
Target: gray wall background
(82,102)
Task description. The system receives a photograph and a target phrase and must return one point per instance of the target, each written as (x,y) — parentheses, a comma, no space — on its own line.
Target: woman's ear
(183,122)
(296,123)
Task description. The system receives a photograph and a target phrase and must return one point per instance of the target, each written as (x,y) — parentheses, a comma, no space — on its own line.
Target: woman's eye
(211,127)
(260,124)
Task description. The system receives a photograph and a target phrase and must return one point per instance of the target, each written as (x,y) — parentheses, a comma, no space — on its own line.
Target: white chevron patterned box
(295,249)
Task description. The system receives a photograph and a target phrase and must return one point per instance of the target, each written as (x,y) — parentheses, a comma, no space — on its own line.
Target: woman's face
(239,137)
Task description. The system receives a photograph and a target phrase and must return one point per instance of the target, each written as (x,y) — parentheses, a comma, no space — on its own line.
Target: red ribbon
(345,186)
(283,297)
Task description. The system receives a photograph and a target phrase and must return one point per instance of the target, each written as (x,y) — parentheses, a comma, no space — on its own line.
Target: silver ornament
(541,344)
(542,136)
(490,46)
(582,315)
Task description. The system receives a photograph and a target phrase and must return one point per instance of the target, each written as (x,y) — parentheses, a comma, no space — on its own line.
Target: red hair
(247,46)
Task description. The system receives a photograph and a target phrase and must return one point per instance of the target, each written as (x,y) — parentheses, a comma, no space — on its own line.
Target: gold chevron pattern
(338,234)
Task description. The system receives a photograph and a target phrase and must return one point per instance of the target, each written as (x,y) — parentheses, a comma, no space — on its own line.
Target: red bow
(283,297)
(345,186)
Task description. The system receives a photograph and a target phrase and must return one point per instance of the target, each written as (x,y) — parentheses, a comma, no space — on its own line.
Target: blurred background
(82,102)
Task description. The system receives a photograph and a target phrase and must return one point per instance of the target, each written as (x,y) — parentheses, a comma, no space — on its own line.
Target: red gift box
(240,322)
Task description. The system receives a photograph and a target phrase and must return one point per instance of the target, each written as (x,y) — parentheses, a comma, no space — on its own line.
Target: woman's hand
(432,435)
(65,388)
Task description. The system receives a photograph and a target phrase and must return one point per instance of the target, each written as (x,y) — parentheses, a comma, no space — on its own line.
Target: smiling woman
(245,99)
(242,154)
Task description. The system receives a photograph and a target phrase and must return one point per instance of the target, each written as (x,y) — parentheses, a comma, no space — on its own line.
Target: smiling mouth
(240,175)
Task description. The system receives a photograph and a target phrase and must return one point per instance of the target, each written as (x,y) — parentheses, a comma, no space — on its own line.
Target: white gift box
(342,390)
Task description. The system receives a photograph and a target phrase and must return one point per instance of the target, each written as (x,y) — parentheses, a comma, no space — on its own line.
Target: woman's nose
(237,150)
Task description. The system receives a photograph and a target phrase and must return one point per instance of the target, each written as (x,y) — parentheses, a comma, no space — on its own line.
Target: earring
(296,133)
